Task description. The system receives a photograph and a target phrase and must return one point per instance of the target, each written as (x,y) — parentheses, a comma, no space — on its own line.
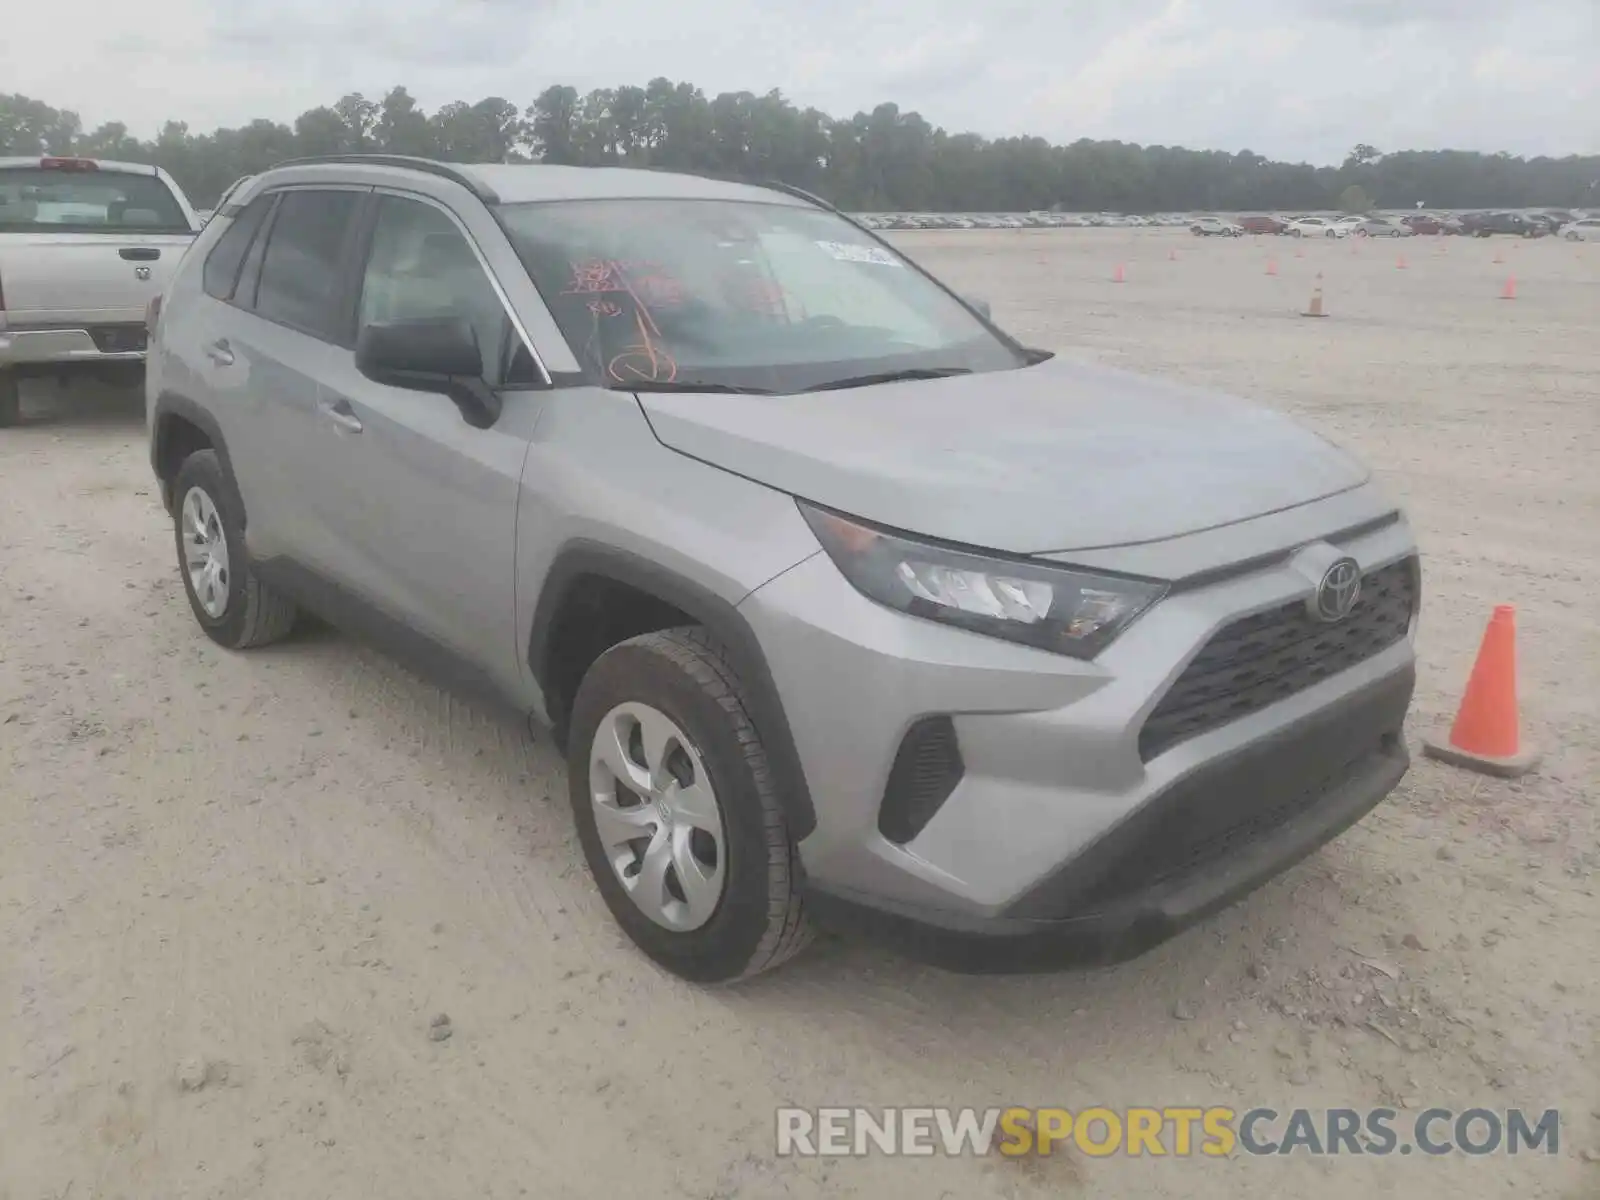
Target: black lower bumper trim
(1107,928)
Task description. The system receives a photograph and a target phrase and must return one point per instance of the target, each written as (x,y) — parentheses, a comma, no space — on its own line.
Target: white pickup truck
(85,245)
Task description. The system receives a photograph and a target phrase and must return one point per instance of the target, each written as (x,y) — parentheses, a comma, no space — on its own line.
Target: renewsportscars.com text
(1179,1132)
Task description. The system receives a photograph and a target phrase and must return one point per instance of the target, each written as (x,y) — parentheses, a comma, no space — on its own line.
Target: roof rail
(410,162)
(778,185)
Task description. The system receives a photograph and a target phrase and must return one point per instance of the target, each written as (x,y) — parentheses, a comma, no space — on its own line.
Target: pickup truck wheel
(10,400)
(677,811)
(235,608)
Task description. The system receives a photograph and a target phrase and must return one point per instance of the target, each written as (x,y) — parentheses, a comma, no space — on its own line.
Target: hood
(1056,457)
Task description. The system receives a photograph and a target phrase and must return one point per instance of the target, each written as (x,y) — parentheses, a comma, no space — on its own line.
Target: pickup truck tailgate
(47,278)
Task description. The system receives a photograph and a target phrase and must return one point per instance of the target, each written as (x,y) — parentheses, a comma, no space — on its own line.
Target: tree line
(883,160)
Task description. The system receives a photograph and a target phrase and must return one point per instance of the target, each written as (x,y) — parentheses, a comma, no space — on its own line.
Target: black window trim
(249,281)
(333,335)
(353,300)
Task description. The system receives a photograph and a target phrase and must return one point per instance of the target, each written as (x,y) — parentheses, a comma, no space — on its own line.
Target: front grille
(1261,659)
(118,339)
(925,772)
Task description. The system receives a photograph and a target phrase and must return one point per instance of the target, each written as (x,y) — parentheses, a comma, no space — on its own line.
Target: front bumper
(1056,760)
(1260,811)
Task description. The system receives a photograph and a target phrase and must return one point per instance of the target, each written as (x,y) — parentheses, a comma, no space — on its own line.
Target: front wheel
(677,809)
(10,400)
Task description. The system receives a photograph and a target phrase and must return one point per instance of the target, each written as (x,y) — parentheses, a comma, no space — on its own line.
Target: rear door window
(300,271)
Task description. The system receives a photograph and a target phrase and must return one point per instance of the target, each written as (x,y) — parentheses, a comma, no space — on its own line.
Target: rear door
(282,335)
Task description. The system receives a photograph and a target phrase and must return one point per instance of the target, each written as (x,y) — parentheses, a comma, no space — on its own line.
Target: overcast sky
(1297,79)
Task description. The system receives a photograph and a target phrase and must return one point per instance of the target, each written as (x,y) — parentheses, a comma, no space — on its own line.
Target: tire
(685,676)
(251,613)
(10,400)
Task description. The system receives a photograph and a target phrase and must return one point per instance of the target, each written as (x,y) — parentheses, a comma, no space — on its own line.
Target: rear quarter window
(221,272)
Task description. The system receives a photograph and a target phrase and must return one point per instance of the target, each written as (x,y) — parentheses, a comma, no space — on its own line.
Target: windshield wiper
(907,373)
(680,385)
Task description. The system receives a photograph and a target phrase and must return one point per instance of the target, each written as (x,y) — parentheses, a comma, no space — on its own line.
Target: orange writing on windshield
(642,361)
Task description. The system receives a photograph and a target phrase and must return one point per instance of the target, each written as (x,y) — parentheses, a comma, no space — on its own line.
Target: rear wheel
(235,608)
(10,400)
(677,810)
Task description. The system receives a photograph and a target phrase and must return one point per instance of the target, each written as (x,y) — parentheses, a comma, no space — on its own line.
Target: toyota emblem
(141,272)
(1338,592)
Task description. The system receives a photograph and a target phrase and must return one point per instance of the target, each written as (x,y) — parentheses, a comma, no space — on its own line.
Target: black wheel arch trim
(580,558)
(174,404)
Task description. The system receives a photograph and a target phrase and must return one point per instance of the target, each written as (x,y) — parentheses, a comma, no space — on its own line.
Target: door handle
(220,352)
(341,414)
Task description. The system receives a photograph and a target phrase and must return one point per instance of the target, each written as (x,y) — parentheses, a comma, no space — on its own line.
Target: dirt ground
(235,889)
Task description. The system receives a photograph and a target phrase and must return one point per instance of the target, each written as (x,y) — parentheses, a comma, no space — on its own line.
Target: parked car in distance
(1027,705)
(1513,223)
(1259,223)
(1316,227)
(1431,223)
(1585,230)
(84,245)
(1378,227)
(1215,227)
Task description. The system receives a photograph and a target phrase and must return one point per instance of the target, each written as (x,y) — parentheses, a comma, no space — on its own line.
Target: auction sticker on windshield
(849,252)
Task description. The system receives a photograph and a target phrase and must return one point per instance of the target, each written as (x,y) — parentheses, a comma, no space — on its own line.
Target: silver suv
(847,608)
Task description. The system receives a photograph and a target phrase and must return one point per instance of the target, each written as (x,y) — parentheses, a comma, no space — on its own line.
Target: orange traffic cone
(1314,309)
(1498,257)
(1400,262)
(1172,256)
(1509,292)
(1272,266)
(1118,275)
(1486,736)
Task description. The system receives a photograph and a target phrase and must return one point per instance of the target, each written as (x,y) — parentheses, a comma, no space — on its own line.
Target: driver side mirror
(437,354)
(981,306)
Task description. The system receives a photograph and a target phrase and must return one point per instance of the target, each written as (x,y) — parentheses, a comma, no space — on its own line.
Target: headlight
(1060,609)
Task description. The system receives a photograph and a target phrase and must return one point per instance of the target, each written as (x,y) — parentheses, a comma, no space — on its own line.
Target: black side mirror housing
(436,354)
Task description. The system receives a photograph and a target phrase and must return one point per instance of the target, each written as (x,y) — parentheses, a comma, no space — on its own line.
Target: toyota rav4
(845,607)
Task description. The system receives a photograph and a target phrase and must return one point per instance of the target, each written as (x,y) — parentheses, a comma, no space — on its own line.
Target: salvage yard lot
(234,889)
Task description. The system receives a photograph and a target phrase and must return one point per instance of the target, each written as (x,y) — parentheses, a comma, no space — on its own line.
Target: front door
(423,506)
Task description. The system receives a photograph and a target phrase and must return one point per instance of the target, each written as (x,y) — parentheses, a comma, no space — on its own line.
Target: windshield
(740,295)
(51,200)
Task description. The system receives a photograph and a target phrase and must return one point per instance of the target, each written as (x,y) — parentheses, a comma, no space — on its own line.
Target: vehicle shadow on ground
(84,404)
